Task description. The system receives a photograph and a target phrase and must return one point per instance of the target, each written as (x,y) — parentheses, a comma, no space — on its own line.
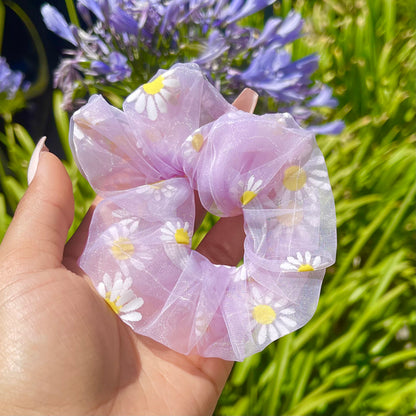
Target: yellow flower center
(112,304)
(292,218)
(264,314)
(157,185)
(122,249)
(247,197)
(181,236)
(155,86)
(197,141)
(294,178)
(306,268)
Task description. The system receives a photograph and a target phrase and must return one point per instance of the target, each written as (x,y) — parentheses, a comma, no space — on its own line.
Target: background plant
(357,356)
(236,43)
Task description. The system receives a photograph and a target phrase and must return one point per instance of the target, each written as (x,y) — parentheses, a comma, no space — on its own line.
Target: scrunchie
(177,134)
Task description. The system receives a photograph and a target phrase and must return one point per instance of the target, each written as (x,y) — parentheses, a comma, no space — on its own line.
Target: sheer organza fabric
(177,134)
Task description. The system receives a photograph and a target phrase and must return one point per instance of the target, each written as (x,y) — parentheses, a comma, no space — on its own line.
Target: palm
(62,349)
(75,346)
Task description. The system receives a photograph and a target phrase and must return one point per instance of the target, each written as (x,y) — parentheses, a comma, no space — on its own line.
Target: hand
(62,349)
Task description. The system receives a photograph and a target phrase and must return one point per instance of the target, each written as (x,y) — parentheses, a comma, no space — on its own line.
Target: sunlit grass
(357,355)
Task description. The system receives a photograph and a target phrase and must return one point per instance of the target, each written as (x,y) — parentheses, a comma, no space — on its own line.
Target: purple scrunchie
(177,134)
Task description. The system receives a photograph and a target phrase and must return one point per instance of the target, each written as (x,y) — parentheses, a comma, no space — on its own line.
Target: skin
(62,349)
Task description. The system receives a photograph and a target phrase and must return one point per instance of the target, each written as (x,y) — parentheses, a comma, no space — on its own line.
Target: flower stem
(2,18)
(39,86)
(72,12)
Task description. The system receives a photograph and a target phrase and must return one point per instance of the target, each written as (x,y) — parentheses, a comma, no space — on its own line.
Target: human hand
(62,349)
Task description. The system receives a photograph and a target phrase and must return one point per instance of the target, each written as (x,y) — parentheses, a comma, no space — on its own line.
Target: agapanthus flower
(10,81)
(125,40)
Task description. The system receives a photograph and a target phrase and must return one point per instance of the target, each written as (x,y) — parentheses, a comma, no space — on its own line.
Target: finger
(37,234)
(224,243)
(77,242)
(246,101)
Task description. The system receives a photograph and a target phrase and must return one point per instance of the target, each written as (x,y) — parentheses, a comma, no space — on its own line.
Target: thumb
(36,237)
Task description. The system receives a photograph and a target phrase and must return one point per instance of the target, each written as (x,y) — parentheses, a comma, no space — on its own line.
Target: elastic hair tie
(177,134)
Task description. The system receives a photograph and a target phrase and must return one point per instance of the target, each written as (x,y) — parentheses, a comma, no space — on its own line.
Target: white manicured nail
(34,160)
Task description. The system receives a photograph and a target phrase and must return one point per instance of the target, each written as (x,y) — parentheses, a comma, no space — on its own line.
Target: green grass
(357,355)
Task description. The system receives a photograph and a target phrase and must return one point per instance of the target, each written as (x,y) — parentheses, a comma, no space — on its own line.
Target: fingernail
(247,100)
(34,160)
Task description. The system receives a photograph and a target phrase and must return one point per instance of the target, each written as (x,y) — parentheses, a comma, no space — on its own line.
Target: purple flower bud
(324,98)
(215,47)
(100,68)
(84,13)
(334,127)
(95,7)
(290,28)
(171,15)
(119,67)
(238,9)
(56,23)
(123,22)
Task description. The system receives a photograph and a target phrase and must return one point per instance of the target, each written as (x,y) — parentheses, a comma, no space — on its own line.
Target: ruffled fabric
(177,134)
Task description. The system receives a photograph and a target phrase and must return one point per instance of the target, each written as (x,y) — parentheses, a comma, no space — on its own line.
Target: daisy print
(153,97)
(124,247)
(159,190)
(192,146)
(120,298)
(305,180)
(302,263)
(251,190)
(178,233)
(201,324)
(269,319)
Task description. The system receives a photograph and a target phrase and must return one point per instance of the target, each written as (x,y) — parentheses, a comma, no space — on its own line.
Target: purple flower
(10,81)
(119,67)
(334,127)
(55,22)
(95,7)
(215,47)
(116,68)
(129,39)
(99,68)
(108,11)
(280,32)
(238,9)
(123,22)
(324,98)
(171,14)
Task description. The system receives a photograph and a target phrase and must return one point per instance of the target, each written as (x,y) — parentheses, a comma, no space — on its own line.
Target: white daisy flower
(193,145)
(120,240)
(120,298)
(160,190)
(269,320)
(123,215)
(251,190)
(154,96)
(195,140)
(201,324)
(180,233)
(305,180)
(301,263)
